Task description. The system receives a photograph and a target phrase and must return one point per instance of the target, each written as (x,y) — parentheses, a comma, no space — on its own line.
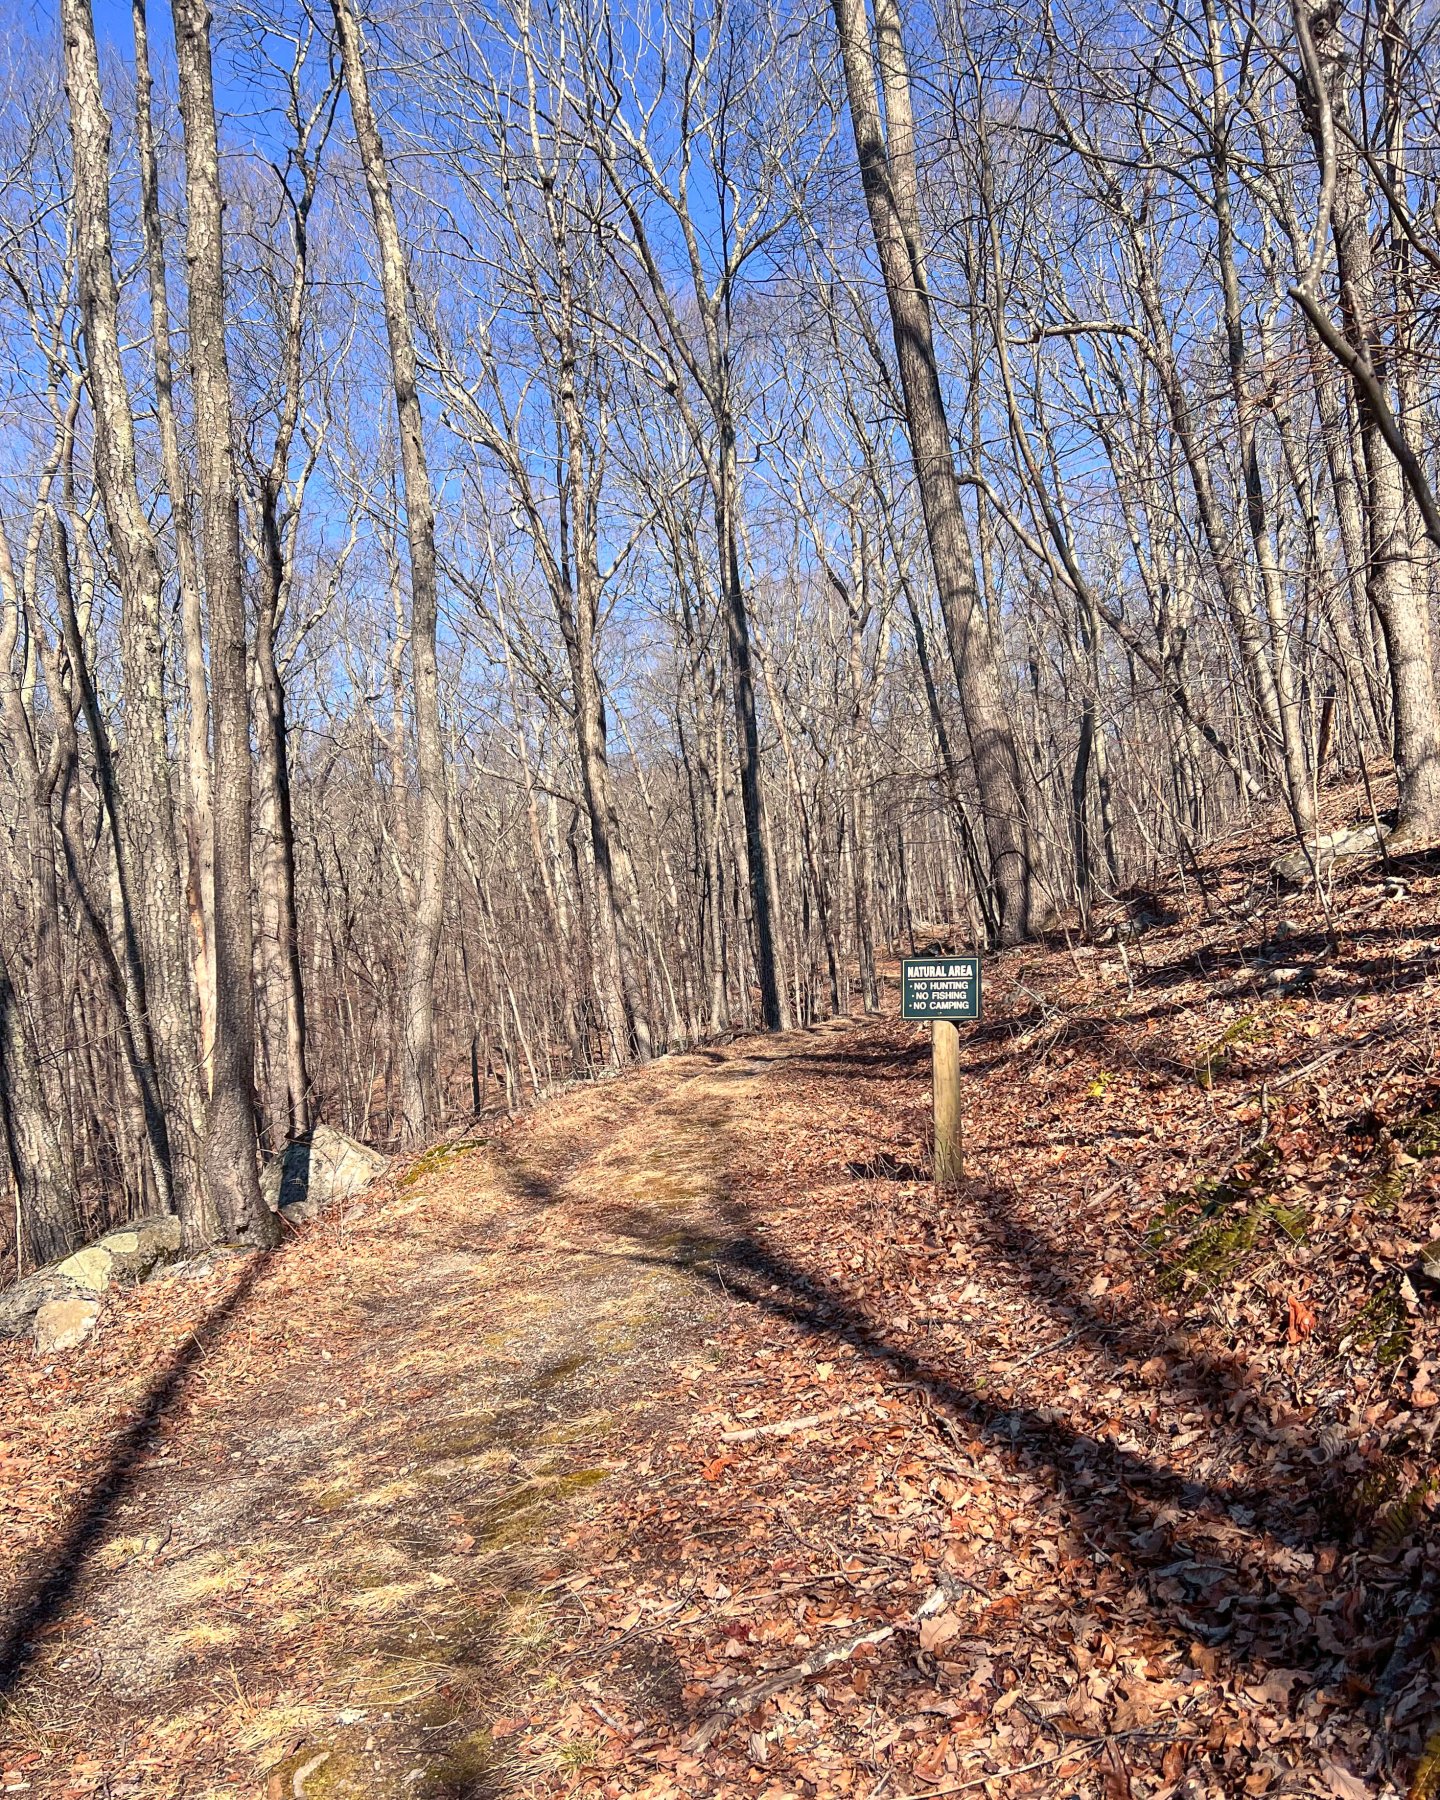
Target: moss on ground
(1208,1234)
(437,1158)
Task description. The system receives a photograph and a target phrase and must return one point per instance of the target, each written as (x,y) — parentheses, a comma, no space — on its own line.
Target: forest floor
(677,1439)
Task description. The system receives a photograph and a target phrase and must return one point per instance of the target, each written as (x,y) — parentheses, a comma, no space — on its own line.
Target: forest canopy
(534,535)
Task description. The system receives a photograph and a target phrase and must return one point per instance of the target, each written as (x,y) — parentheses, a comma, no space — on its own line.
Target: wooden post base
(945,1072)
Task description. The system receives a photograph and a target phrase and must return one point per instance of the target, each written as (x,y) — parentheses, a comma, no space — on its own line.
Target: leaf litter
(1110,1472)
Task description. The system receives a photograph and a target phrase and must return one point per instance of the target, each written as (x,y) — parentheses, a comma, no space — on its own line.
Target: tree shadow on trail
(1152,1530)
(40,1599)
(1220,1552)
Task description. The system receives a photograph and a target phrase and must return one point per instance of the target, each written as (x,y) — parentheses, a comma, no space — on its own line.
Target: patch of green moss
(438,1157)
(580,1479)
(342,1776)
(1383,1326)
(519,1516)
(334,1498)
(1209,1232)
(466,1769)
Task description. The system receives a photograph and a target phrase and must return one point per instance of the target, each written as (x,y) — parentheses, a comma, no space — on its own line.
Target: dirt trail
(330,1534)
(679,1441)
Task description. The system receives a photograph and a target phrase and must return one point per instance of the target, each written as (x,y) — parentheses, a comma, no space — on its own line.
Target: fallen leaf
(1116,1774)
(1344,1785)
(938,1631)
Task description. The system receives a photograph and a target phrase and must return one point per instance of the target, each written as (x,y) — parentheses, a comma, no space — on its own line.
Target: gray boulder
(314,1172)
(90,1269)
(20,1303)
(136,1249)
(1301,866)
(126,1255)
(62,1324)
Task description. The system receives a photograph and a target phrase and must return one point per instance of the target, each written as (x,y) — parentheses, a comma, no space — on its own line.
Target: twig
(1311,1067)
(785,1427)
(739,1704)
(1045,1349)
(1080,1746)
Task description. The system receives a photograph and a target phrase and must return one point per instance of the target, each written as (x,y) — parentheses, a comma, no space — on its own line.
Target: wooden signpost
(946,991)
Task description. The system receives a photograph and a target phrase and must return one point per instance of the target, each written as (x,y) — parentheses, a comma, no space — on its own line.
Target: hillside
(676,1440)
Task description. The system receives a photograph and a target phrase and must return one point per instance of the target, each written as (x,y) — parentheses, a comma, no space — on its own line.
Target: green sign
(940,987)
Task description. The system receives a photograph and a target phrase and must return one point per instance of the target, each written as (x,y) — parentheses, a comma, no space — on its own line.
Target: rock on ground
(313,1172)
(1300,866)
(128,1255)
(20,1303)
(62,1324)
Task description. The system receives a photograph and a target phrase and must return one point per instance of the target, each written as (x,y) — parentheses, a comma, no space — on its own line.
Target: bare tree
(1397,590)
(419,1071)
(148,840)
(887,170)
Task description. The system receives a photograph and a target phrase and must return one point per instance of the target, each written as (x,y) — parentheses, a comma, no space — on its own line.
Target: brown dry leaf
(1115,1772)
(936,1632)
(1302,1320)
(1345,1786)
(1172,1765)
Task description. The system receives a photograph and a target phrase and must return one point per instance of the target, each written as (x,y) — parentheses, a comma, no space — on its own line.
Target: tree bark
(48,1212)
(1325,93)
(418,1074)
(148,814)
(231,1151)
(199,822)
(887,172)
(290,1094)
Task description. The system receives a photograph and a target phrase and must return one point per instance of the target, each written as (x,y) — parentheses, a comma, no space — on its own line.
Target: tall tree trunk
(199,824)
(231,1151)
(774,1013)
(124,972)
(290,1098)
(1352,622)
(418,1076)
(147,840)
(49,1216)
(715,881)
(1325,92)
(577,585)
(1257,512)
(887,171)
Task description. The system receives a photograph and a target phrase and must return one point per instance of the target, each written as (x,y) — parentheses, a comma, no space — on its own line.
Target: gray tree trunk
(50,1220)
(1396,595)
(418,1099)
(887,172)
(147,840)
(199,823)
(231,1151)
